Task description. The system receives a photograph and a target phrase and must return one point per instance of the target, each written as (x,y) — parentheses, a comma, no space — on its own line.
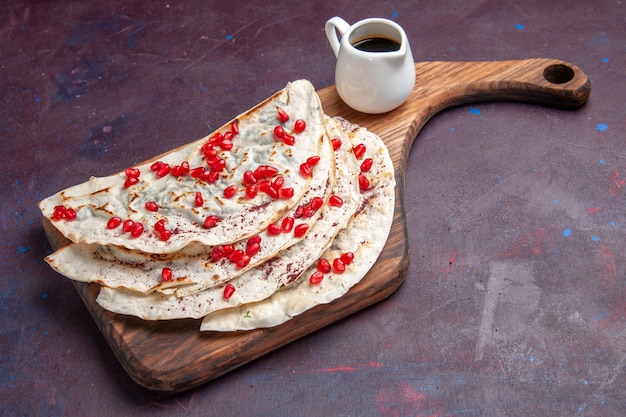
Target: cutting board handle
(540,81)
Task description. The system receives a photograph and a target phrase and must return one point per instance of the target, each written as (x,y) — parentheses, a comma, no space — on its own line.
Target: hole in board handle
(558,73)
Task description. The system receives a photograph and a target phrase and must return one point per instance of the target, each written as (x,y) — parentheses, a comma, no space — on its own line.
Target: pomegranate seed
(313,160)
(252,249)
(152,206)
(228,136)
(299,126)
(367,164)
(159,226)
(196,172)
(127,226)
(287,224)
(338,266)
(226,145)
(228,249)
(231,191)
(301,230)
(210,156)
(211,221)
(335,201)
(278,182)
(364,183)
(199,200)
(70,214)
(216,139)
(316,277)
(299,212)
(279,132)
(243,262)
(165,235)
(359,150)
(285,193)
(288,139)
(59,212)
(206,147)
(254,239)
(347,258)
(219,165)
(114,222)
(307,211)
(264,185)
(274,229)
(316,203)
(212,176)
(166,274)
(137,230)
(234,127)
(236,256)
(271,191)
(323,266)
(282,115)
(180,170)
(248,178)
(217,253)
(251,191)
(156,166)
(163,170)
(229,290)
(336,143)
(132,172)
(264,171)
(305,170)
(130,181)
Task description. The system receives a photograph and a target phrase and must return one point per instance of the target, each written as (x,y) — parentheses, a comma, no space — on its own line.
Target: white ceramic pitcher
(375,71)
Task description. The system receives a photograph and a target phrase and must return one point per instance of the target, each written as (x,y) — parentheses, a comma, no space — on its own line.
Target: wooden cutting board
(174,356)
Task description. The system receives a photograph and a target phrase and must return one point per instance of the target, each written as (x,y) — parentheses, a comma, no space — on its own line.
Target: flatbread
(365,237)
(119,267)
(99,199)
(262,281)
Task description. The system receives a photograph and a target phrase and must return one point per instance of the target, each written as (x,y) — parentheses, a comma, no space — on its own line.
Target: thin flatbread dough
(194,271)
(365,236)
(99,199)
(262,281)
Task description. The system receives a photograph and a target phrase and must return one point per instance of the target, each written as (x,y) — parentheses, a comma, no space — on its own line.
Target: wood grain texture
(174,356)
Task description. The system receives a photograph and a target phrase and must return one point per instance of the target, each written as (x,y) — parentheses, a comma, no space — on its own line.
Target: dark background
(514,303)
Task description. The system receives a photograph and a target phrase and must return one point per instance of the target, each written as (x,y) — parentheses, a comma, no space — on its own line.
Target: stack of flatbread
(281,209)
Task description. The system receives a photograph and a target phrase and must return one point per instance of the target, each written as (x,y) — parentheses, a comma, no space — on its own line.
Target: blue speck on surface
(586,382)
(531,359)
(595,238)
(22,249)
(567,232)
(394,15)
(612,223)
(601,127)
(555,201)
(45,295)
(229,37)
(519,26)
(605,59)
(602,161)
(474,110)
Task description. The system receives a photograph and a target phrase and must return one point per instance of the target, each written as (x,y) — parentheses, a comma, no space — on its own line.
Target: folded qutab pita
(154,192)
(325,195)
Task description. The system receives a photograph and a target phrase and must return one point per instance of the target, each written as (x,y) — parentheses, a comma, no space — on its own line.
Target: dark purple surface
(515,302)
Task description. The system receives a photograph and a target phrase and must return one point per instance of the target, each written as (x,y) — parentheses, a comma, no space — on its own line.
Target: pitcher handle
(334,25)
